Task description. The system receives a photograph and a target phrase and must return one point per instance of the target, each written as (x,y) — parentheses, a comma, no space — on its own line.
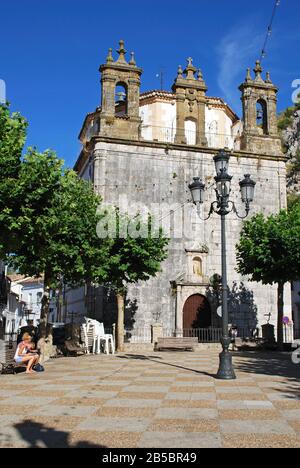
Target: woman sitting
(26,354)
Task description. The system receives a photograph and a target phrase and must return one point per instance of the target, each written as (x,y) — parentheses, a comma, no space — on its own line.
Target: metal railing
(188,137)
(143,335)
(138,335)
(204,335)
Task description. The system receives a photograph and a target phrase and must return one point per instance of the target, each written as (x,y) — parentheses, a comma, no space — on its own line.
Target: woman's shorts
(19,359)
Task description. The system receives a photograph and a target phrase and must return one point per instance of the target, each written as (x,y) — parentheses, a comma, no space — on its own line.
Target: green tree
(51,218)
(269,252)
(56,225)
(12,140)
(135,255)
(48,215)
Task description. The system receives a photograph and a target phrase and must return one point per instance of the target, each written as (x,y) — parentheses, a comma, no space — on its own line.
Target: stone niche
(197,266)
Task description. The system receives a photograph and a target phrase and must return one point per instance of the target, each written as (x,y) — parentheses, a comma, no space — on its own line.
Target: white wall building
(23,302)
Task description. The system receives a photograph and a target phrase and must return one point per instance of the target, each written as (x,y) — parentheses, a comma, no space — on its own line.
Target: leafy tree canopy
(134,258)
(50,218)
(48,215)
(56,225)
(269,248)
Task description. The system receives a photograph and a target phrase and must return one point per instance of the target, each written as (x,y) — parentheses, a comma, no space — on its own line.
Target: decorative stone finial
(109,58)
(200,75)
(122,52)
(248,77)
(268,78)
(180,72)
(190,69)
(132,60)
(258,69)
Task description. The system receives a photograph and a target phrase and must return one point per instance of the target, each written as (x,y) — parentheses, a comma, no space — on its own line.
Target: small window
(121,99)
(197,266)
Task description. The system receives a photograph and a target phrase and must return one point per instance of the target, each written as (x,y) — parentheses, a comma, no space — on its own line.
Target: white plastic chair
(87,338)
(94,334)
(92,330)
(108,338)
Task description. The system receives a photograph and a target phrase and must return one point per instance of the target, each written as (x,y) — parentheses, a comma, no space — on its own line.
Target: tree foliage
(269,248)
(56,224)
(133,258)
(137,257)
(269,252)
(48,215)
(12,139)
(49,220)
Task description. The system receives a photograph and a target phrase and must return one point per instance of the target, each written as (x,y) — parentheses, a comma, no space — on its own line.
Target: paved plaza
(158,400)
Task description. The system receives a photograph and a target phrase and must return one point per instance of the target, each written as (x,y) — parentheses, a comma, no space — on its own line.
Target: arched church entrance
(196,313)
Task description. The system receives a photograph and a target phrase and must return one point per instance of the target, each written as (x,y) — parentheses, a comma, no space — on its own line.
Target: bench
(174,344)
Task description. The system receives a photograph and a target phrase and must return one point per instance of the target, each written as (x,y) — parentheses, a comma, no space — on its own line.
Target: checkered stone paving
(158,400)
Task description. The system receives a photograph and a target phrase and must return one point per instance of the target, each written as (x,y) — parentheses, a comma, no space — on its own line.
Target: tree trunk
(45,302)
(120,323)
(45,343)
(280,307)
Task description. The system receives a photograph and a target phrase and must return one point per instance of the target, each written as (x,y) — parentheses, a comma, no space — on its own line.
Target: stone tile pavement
(158,400)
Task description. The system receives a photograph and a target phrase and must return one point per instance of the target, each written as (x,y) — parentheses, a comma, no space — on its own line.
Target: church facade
(142,150)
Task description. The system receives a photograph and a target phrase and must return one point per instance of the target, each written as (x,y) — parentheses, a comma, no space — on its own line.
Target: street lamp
(223,206)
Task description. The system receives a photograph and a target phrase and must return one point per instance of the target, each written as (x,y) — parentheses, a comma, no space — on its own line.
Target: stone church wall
(155,174)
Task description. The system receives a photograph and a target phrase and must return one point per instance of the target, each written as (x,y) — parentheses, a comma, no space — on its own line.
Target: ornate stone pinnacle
(190,69)
(268,78)
(122,51)
(132,60)
(258,69)
(248,77)
(109,58)
(180,72)
(200,75)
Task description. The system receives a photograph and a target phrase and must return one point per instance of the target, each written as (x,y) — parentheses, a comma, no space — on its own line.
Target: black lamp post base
(226,371)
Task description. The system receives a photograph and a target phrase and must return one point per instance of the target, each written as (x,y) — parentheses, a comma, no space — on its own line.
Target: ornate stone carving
(190,97)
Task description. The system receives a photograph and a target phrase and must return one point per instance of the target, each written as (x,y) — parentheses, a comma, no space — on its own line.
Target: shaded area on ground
(271,364)
(38,435)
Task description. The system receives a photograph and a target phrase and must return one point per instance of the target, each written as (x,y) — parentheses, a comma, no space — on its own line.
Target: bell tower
(120,86)
(190,93)
(259,98)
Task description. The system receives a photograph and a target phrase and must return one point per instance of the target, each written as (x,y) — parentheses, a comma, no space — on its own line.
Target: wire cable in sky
(269,30)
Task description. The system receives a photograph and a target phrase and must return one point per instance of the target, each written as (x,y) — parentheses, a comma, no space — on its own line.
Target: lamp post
(223,206)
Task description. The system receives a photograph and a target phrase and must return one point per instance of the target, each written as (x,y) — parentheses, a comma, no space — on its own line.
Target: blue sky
(51,51)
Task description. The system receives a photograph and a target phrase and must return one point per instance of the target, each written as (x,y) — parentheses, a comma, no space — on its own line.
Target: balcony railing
(188,137)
